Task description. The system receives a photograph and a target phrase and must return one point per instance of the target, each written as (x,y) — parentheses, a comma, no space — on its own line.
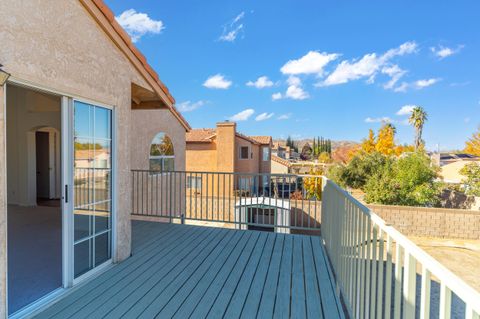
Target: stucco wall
(57,45)
(250,165)
(147,124)
(265,166)
(201,157)
(278,168)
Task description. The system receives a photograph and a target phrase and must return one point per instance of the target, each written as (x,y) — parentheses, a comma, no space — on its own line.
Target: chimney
(226,146)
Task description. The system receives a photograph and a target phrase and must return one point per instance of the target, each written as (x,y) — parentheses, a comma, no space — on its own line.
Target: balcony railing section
(381,273)
(271,202)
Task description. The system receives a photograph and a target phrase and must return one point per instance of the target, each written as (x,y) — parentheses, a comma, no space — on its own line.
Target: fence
(275,202)
(382,274)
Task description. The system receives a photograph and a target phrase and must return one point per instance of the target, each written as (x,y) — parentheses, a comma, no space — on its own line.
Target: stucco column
(3,207)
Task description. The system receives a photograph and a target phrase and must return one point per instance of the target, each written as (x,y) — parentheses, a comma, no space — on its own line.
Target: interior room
(34,192)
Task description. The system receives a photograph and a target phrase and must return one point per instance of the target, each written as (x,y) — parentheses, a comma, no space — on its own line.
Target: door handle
(66,193)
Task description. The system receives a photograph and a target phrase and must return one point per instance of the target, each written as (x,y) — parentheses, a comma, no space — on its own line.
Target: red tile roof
(205,135)
(281,160)
(262,139)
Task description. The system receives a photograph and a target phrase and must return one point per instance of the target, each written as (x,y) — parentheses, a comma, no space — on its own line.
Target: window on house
(162,156)
(266,153)
(194,182)
(244,152)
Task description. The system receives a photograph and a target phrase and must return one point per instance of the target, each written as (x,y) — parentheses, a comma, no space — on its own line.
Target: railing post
(409,286)
(445,301)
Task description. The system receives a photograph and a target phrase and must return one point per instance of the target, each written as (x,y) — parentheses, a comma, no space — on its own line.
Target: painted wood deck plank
(115,296)
(140,299)
(168,238)
(202,277)
(133,279)
(237,285)
(298,308)
(253,269)
(312,292)
(252,300)
(267,302)
(200,263)
(327,292)
(186,271)
(205,304)
(215,277)
(282,301)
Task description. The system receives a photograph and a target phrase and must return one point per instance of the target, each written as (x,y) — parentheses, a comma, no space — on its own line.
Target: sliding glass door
(92,186)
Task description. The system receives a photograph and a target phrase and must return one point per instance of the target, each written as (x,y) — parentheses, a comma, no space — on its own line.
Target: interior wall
(28,111)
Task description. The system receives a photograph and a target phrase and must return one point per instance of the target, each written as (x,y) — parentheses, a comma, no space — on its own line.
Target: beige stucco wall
(3,208)
(147,124)
(265,166)
(451,172)
(57,45)
(201,157)
(250,165)
(278,168)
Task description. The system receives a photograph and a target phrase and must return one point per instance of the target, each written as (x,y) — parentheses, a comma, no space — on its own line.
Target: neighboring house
(83,108)
(280,165)
(451,164)
(225,150)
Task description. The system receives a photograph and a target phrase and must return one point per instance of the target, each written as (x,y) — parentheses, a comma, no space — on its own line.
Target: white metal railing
(382,274)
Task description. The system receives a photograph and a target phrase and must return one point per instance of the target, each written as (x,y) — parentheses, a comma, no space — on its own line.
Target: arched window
(162,156)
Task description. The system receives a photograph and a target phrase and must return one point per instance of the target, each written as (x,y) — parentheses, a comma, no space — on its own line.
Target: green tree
(417,120)
(472,178)
(409,181)
(358,171)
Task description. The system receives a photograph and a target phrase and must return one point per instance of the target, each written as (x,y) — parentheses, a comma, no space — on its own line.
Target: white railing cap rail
(464,291)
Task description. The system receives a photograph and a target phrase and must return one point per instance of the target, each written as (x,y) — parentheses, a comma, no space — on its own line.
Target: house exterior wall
(201,157)
(147,124)
(59,46)
(277,168)
(451,172)
(250,165)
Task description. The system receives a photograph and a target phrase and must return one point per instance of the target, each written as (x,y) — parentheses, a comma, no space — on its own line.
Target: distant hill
(302,142)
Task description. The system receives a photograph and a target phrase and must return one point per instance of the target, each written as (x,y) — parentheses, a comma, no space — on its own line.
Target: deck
(185,271)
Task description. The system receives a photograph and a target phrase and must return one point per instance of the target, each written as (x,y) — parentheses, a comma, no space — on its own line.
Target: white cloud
(406,110)
(311,63)
(217,81)
(189,106)
(242,116)
(369,66)
(284,116)
(276,96)
(420,84)
(347,71)
(232,29)
(261,82)
(442,52)
(378,120)
(296,93)
(264,116)
(295,90)
(138,24)
(395,74)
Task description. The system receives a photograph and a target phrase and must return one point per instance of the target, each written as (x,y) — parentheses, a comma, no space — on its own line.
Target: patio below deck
(186,271)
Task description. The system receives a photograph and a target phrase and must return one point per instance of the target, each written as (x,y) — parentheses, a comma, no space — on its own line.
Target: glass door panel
(92,186)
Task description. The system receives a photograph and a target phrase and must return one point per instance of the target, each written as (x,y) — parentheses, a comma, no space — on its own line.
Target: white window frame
(265,150)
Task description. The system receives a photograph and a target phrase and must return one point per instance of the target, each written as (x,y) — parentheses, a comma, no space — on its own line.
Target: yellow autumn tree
(472,146)
(400,149)
(368,145)
(385,143)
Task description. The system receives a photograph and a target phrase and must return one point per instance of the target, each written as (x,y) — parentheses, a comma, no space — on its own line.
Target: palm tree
(418,119)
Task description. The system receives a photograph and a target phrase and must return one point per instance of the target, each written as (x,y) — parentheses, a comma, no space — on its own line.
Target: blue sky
(311,68)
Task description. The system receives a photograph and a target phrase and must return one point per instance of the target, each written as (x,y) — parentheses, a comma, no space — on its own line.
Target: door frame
(66,186)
